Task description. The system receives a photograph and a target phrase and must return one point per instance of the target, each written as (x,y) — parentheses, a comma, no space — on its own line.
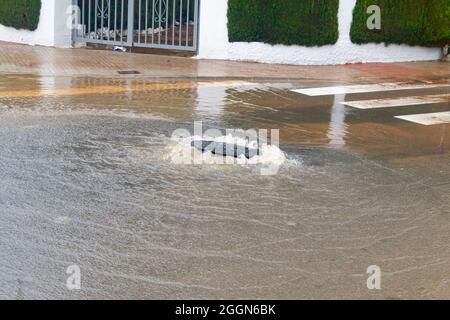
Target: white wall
(214,43)
(51,30)
(62,34)
(213,37)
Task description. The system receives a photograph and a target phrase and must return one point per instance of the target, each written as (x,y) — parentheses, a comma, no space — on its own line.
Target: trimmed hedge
(418,22)
(289,22)
(20,14)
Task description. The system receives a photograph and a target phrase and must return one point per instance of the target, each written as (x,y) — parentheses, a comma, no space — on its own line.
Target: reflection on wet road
(85,180)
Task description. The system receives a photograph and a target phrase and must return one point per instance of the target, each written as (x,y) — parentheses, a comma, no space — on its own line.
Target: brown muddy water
(85,180)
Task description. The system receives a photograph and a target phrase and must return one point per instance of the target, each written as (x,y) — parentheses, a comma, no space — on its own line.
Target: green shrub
(290,22)
(20,14)
(418,22)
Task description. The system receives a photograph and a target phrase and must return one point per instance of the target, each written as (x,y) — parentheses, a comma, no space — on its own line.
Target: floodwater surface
(87,180)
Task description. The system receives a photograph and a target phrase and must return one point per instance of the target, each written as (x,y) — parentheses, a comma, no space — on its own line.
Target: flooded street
(86,179)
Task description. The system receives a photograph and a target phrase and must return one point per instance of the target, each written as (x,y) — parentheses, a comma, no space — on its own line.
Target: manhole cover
(128,72)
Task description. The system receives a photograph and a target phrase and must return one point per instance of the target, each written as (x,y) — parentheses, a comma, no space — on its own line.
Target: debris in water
(119,48)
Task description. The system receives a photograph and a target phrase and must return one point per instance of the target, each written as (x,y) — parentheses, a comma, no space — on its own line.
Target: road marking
(428,119)
(398,102)
(230,83)
(326,91)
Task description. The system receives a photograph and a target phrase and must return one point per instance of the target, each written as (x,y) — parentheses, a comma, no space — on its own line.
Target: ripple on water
(98,188)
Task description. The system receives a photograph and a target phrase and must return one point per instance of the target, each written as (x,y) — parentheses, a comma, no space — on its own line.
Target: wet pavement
(46,61)
(86,180)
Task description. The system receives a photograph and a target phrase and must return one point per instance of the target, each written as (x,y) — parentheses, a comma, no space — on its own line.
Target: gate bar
(130,22)
(97,30)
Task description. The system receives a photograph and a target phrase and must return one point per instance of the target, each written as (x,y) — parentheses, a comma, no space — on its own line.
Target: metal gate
(162,24)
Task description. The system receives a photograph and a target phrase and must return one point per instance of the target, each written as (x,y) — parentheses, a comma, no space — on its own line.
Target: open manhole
(129,72)
(225,149)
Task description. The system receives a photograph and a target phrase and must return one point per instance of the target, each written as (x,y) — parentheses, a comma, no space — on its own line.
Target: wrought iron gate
(163,24)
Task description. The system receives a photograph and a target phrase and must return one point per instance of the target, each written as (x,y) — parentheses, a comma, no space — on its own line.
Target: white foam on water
(3,107)
(181,152)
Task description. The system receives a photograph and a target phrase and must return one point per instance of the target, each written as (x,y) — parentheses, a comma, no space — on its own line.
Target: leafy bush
(20,14)
(290,22)
(418,22)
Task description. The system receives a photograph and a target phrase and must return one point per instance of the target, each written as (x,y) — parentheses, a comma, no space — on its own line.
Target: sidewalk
(15,58)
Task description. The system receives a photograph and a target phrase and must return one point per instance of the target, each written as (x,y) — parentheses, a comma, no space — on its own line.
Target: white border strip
(398,102)
(231,83)
(428,119)
(326,91)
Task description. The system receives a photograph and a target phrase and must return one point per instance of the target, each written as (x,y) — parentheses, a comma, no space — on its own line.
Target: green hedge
(418,22)
(20,14)
(290,22)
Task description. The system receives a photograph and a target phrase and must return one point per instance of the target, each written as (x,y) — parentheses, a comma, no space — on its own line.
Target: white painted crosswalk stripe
(428,119)
(398,102)
(231,83)
(325,91)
